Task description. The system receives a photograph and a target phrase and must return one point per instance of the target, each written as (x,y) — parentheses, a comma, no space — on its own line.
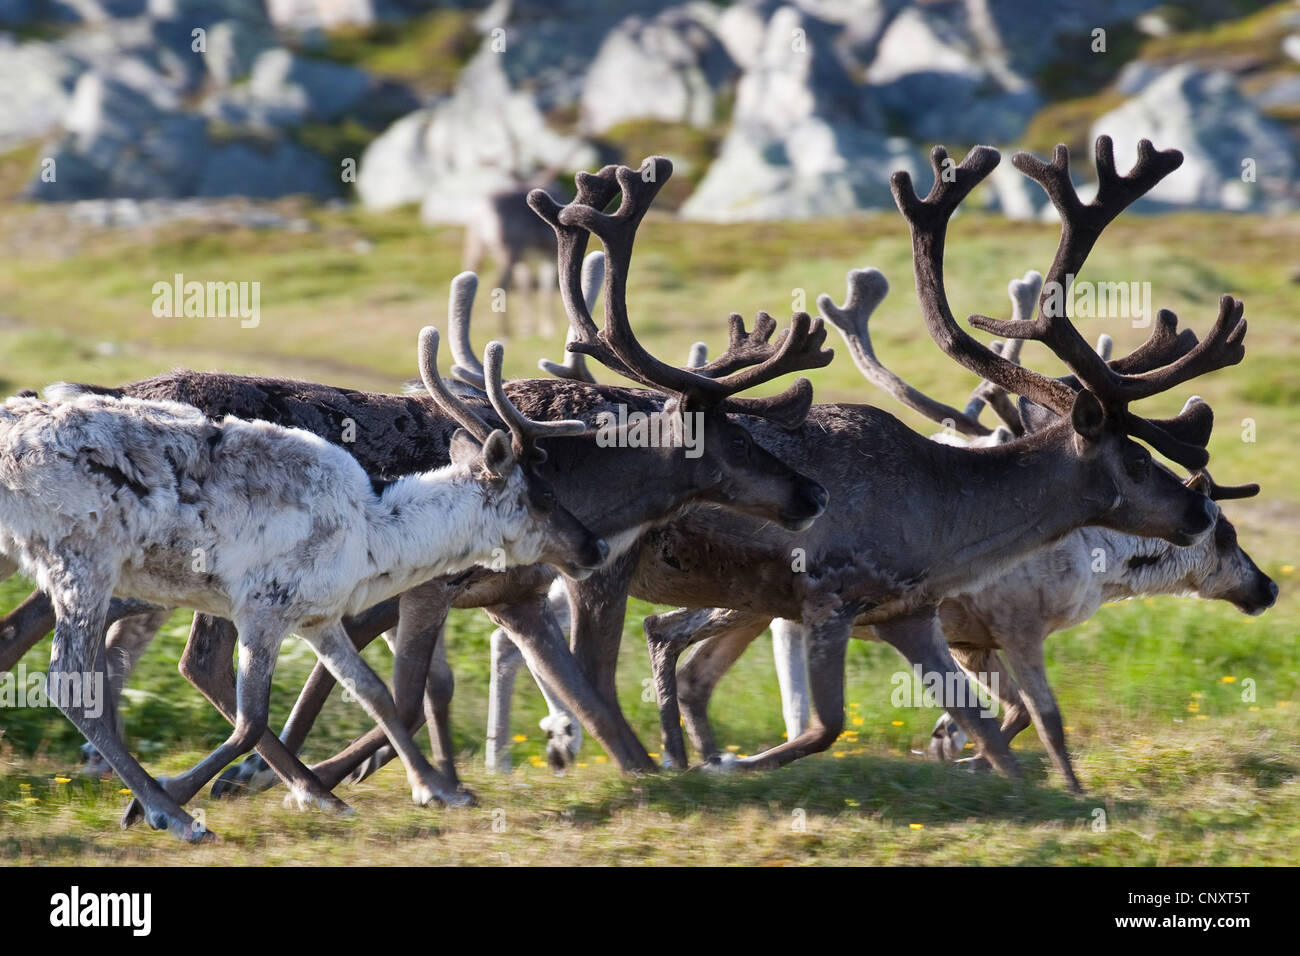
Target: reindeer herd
(238,497)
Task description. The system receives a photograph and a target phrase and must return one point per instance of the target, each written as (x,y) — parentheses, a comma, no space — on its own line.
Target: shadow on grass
(892,788)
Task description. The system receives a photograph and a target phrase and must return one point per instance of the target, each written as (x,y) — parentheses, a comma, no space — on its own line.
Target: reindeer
(273,528)
(1052,589)
(891,545)
(503,227)
(402,432)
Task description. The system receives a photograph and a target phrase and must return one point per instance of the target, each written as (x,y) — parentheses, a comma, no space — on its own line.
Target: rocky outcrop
(805,140)
(1225,138)
(669,67)
(486,136)
(940,56)
(116,142)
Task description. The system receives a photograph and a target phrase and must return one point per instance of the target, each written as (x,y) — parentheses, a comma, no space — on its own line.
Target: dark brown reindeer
(874,558)
(1051,589)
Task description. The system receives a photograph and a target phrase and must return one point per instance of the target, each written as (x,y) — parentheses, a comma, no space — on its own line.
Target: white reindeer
(272,528)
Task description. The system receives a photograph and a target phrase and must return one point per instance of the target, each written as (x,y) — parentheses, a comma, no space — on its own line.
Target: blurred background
(350,156)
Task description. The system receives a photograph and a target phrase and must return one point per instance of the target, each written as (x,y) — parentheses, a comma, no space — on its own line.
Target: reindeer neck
(1001,504)
(1137,567)
(617,491)
(431,524)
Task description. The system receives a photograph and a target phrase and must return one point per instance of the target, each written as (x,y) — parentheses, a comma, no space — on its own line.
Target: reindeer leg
(790,653)
(535,631)
(253,775)
(720,636)
(334,647)
(127,640)
(421,616)
(600,605)
(827,642)
(78,655)
(244,700)
(207,664)
(23,627)
(506,661)
(1024,652)
(948,740)
(919,638)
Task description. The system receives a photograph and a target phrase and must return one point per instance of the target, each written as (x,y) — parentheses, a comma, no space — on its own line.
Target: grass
(426,52)
(1184,769)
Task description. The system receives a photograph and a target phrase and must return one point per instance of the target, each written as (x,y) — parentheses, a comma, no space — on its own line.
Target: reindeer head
(1226,572)
(1095,429)
(539,527)
(732,469)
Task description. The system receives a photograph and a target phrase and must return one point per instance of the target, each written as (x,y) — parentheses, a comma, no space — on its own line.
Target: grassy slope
(1195,778)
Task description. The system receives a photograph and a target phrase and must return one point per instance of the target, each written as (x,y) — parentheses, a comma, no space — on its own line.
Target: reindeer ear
(498,454)
(1087,416)
(463,447)
(1035,417)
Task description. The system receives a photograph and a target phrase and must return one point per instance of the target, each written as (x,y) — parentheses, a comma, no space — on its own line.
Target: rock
(118,143)
(1283,92)
(670,67)
(285,90)
(1015,195)
(1204,114)
(280,169)
(233,48)
(1291,46)
(37,79)
(1136,75)
(1029,37)
(804,140)
(320,14)
(945,77)
(486,136)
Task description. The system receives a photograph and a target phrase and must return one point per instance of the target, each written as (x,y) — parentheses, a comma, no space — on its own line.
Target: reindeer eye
(1138,467)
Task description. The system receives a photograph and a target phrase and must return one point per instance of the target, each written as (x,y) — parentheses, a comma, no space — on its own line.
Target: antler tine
(744,348)
(928,220)
(867,288)
(575,363)
(1218,492)
(594,190)
(1105,345)
(799,349)
(449,403)
(460,307)
(1081,225)
(1023,293)
(524,431)
(698,355)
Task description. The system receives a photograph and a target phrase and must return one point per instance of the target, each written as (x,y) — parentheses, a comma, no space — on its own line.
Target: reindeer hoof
(249,776)
(134,813)
(719,763)
(947,740)
(460,798)
(93,763)
(363,770)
